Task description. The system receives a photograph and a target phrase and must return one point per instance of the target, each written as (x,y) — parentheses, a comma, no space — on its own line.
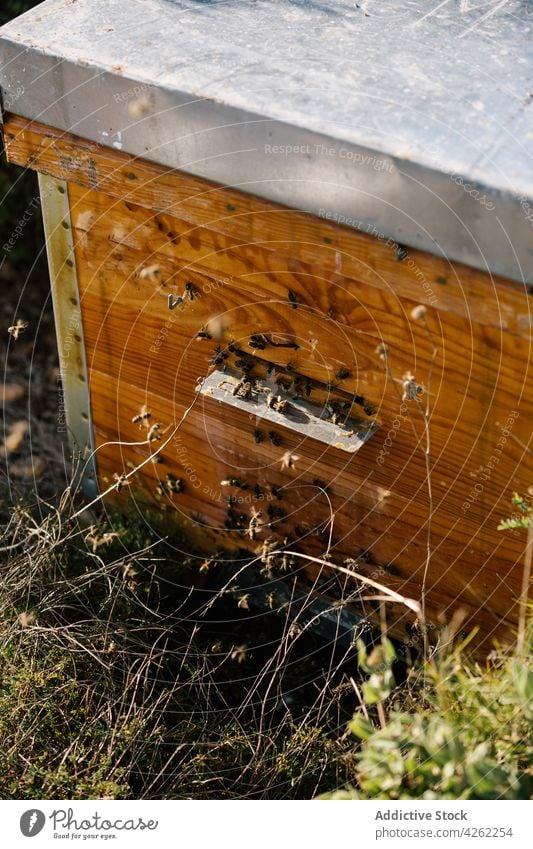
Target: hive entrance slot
(268,403)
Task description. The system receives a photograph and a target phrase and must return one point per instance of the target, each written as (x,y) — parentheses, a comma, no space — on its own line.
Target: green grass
(114,683)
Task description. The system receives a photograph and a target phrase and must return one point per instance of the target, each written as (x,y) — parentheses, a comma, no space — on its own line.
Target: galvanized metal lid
(409,119)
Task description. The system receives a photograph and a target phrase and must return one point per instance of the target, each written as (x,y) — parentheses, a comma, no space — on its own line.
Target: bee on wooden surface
(244,365)
(218,356)
(276,492)
(276,513)
(290,367)
(154,433)
(275,438)
(234,482)
(142,416)
(293,299)
(257,341)
(121,481)
(197,519)
(173,484)
(203,333)
(288,460)
(258,436)
(320,484)
(369,409)
(343,373)
(257,491)
(232,348)
(401,252)
(191,291)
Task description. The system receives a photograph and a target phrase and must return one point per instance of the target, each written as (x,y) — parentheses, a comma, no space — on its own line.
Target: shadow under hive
(270,337)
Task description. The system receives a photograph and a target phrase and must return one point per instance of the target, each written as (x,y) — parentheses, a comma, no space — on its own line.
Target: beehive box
(290,248)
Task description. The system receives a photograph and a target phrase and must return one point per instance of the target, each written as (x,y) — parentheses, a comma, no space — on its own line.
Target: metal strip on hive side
(69,328)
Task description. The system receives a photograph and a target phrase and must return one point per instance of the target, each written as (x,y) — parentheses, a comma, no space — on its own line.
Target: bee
(203,334)
(257,341)
(245,365)
(232,348)
(271,600)
(218,356)
(234,482)
(243,388)
(121,481)
(174,301)
(320,484)
(281,405)
(16,329)
(243,602)
(369,409)
(360,400)
(275,438)
(342,373)
(258,436)
(253,523)
(288,460)
(239,653)
(293,299)
(154,434)
(401,252)
(142,415)
(173,484)
(290,367)
(191,291)
(276,513)
(276,492)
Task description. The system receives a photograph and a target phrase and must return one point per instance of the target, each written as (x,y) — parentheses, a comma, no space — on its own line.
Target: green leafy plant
(458,732)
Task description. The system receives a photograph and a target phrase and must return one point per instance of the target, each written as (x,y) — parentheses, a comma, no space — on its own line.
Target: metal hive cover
(408,119)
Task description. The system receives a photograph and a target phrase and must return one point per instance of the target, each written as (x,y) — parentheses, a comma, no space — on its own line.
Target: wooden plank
(330,249)
(209,448)
(129,327)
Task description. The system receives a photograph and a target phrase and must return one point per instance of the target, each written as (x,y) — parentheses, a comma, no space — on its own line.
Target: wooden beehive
(294,334)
